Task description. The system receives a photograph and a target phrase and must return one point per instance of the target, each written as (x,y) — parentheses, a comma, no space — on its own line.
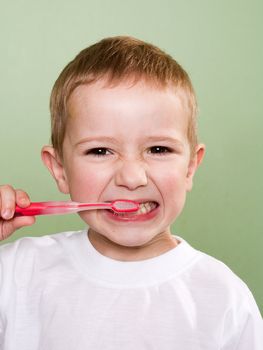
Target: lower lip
(134,218)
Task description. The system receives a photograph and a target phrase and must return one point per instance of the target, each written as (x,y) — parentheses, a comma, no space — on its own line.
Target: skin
(111,151)
(126,142)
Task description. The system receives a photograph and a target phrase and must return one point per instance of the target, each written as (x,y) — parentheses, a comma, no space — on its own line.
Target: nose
(131,174)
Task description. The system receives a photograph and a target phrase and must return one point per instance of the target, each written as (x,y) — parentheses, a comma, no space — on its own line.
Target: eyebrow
(97,138)
(164,138)
(108,139)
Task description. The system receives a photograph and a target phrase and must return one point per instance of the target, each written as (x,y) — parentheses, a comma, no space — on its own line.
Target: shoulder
(32,252)
(207,271)
(241,316)
(32,261)
(216,271)
(213,273)
(210,278)
(24,245)
(218,292)
(220,285)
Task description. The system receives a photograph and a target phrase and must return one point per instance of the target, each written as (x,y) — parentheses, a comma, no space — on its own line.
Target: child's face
(127,143)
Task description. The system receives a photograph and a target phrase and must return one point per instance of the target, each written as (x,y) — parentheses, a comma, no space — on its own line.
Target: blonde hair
(118,58)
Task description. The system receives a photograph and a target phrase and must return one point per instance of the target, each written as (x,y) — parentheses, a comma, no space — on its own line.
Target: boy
(123,127)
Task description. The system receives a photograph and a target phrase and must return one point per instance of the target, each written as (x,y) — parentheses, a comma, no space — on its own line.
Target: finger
(7,201)
(22,199)
(22,221)
(8,227)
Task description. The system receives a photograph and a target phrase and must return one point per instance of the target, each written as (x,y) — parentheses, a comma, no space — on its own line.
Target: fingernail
(7,214)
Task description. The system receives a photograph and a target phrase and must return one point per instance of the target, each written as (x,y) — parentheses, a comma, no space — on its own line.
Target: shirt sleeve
(251,335)
(243,328)
(5,275)
(1,310)
(1,335)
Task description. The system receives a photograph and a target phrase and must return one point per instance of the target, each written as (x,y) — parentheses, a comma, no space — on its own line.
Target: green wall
(220,45)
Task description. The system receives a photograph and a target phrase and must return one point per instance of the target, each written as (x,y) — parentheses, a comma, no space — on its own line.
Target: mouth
(144,211)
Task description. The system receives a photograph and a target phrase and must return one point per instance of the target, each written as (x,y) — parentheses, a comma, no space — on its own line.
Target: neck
(160,244)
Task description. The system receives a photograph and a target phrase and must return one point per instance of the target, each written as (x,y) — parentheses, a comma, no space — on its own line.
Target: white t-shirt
(58,293)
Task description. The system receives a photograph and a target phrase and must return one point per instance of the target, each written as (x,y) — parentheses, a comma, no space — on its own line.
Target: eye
(160,150)
(98,152)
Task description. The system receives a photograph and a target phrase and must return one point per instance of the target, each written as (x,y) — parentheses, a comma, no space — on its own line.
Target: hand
(9,198)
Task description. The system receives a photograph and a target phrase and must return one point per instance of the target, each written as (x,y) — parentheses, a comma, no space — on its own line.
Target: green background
(219,43)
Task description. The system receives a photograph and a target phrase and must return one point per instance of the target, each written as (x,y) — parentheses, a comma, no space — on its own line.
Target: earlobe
(55,166)
(194,164)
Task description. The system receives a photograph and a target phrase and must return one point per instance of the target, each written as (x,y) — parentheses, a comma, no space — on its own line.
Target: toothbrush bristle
(125,206)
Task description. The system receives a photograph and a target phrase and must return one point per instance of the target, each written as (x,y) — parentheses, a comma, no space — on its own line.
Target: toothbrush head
(124,206)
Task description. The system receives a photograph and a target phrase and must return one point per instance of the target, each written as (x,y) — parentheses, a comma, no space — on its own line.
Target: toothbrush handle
(49,208)
(36,208)
(46,208)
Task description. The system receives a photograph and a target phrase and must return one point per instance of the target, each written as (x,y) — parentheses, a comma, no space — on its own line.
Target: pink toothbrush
(49,208)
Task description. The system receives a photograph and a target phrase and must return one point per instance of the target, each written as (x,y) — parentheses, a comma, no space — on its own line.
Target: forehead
(99,104)
(87,96)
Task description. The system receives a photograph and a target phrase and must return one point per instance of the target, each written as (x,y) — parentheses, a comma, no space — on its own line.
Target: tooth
(143,210)
(152,205)
(148,206)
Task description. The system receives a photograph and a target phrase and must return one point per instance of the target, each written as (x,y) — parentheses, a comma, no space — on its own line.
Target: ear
(54,164)
(193,165)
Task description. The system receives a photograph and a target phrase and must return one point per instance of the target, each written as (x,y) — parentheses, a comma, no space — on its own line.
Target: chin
(131,239)
(131,243)
(122,237)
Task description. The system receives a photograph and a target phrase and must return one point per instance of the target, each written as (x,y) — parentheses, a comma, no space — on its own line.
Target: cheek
(86,184)
(174,192)
(171,183)
(170,178)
